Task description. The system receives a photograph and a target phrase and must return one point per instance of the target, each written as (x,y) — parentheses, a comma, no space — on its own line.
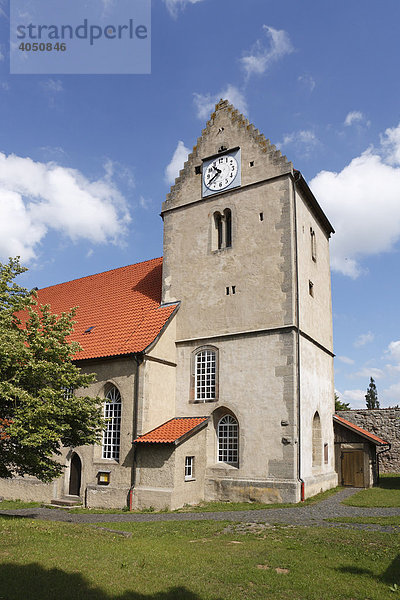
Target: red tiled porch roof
(173,430)
(119,311)
(371,436)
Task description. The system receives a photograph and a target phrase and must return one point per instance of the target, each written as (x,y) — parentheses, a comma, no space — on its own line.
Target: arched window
(205,375)
(228,440)
(316,441)
(112,432)
(219,230)
(222,230)
(228,227)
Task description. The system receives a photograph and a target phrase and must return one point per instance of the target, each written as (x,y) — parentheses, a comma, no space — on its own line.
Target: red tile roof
(121,308)
(173,430)
(374,438)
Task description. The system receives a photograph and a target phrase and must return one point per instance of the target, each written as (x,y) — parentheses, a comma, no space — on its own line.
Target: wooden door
(353,468)
(75,475)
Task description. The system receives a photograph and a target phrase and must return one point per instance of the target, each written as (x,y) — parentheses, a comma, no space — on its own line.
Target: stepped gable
(118,311)
(242,129)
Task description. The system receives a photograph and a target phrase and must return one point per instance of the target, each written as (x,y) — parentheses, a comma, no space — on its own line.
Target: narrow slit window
(228,227)
(313,245)
(311,288)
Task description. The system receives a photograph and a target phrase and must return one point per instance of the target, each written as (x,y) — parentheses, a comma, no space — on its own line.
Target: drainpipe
(377,460)
(138,358)
(297,176)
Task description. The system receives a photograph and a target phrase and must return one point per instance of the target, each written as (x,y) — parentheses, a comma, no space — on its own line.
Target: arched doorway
(75,475)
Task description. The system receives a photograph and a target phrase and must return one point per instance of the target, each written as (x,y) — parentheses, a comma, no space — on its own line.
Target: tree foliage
(371,397)
(339,405)
(38,413)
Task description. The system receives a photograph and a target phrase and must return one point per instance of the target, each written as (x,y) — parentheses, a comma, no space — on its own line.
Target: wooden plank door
(353,468)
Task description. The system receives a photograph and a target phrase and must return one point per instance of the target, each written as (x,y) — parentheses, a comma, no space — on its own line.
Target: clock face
(220,173)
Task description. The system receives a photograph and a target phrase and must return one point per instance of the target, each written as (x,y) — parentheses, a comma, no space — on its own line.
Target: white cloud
(353,117)
(346,360)
(356,398)
(362,202)
(304,140)
(394,350)
(38,197)
(174,6)
(307,81)
(370,372)
(363,339)
(53,86)
(179,157)
(393,392)
(205,103)
(259,58)
(390,142)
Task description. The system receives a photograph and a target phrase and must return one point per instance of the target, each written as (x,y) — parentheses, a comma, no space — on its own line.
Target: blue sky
(86,160)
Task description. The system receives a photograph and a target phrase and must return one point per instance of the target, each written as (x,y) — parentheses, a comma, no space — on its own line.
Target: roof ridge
(101,273)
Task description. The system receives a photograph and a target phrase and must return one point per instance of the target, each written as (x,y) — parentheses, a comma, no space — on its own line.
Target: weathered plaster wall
(190,491)
(256,384)
(384,423)
(157,377)
(259,260)
(316,309)
(317,395)
(155,473)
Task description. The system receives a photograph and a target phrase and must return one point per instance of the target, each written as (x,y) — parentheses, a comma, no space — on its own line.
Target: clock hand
(215,176)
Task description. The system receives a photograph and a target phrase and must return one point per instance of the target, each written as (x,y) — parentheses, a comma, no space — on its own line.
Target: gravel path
(314,515)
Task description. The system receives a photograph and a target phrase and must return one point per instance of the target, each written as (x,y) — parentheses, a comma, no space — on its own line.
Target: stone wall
(384,423)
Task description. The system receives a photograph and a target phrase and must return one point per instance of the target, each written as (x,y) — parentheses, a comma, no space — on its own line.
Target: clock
(221,172)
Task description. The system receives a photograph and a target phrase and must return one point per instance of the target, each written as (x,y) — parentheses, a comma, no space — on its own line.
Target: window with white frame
(228,440)
(112,432)
(205,375)
(68,392)
(189,467)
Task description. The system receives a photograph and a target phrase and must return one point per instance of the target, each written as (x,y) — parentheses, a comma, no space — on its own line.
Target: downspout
(377,459)
(302,491)
(138,358)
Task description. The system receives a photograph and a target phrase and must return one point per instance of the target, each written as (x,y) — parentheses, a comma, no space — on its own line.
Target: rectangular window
(189,467)
(205,370)
(326,454)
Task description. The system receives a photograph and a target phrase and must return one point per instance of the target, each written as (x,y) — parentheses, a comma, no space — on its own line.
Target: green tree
(371,397)
(38,411)
(339,405)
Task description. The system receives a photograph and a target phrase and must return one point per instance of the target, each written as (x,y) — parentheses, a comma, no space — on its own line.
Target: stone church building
(215,362)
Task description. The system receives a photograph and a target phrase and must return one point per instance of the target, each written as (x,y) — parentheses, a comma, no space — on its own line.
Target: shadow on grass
(33,582)
(390,576)
(356,571)
(392,573)
(390,482)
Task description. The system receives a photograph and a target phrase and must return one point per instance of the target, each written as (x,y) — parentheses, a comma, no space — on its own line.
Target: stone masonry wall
(384,423)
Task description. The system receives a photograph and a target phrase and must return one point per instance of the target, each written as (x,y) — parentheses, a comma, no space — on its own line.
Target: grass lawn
(194,561)
(15,504)
(386,495)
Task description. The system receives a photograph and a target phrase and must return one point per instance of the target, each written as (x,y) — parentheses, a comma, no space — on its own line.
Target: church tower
(246,253)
